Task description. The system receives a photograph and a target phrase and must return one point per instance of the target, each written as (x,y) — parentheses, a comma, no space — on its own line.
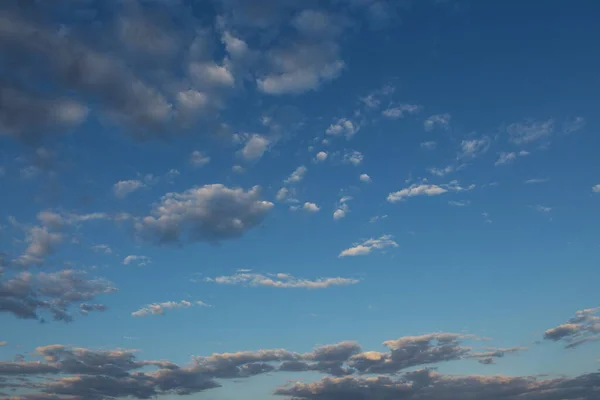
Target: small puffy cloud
(596,188)
(122,189)
(282,194)
(343,127)
(255,147)
(342,208)
(140,261)
(161,308)
(580,329)
(441,121)
(321,156)
(400,110)
(426,189)
(280,280)
(364,178)
(199,159)
(367,246)
(310,207)
(208,213)
(297,175)
(505,158)
(353,157)
(473,148)
(238,169)
(529,131)
(429,145)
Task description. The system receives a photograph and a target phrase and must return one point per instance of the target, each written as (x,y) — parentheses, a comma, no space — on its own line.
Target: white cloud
(369,245)
(596,188)
(321,156)
(459,203)
(377,218)
(400,110)
(310,207)
(344,127)
(280,280)
(255,147)
(123,188)
(339,214)
(529,131)
(198,159)
(543,209)
(297,175)
(140,261)
(426,189)
(573,125)
(342,208)
(506,158)
(473,148)
(160,308)
(238,169)
(430,145)
(353,157)
(536,180)
(102,248)
(441,171)
(437,121)
(364,178)
(210,74)
(282,194)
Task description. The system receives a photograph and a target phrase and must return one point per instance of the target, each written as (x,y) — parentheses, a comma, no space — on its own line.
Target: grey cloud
(577,330)
(490,356)
(209,213)
(529,131)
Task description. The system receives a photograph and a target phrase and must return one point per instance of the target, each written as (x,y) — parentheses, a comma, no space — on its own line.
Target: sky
(309,200)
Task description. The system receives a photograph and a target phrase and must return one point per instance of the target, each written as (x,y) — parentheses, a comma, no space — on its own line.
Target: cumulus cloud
(530,131)
(426,189)
(353,157)
(160,308)
(364,178)
(577,330)
(343,127)
(310,207)
(505,158)
(255,147)
(41,242)
(596,188)
(321,156)
(280,280)
(140,261)
(474,147)
(122,189)
(297,175)
(342,208)
(367,246)
(400,110)
(209,213)
(198,158)
(29,296)
(441,121)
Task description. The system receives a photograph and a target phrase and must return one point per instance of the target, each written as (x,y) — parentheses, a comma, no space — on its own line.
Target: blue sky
(361,199)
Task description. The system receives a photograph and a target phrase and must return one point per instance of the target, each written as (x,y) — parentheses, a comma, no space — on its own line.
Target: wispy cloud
(536,180)
(161,308)
(426,189)
(441,121)
(367,246)
(529,131)
(280,280)
(140,261)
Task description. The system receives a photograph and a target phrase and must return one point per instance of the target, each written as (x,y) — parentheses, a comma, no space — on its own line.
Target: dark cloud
(209,213)
(27,295)
(490,356)
(578,330)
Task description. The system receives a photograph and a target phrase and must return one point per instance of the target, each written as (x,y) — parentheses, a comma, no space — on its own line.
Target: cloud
(310,207)
(102,248)
(542,209)
(490,355)
(353,157)
(505,158)
(426,189)
(367,246)
(441,121)
(297,175)
(140,261)
(343,127)
(399,111)
(441,171)
(573,125)
(26,295)
(122,189)
(529,131)
(321,156)
(377,218)
(460,203)
(209,213)
(342,208)
(536,180)
(596,188)
(255,147)
(364,178)
(430,145)
(473,148)
(199,159)
(3,343)
(280,280)
(282,194)
(160,308)
(577,330)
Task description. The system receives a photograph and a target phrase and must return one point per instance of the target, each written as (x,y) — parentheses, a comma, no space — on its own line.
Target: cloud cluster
(29,296)
(209,213)
(280,280)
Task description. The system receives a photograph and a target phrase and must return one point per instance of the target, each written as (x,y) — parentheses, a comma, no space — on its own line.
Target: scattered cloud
(280,280)
(536,180)
(161,308)
(307,207)
(238,169)
(353,157)
(400,110)
(321,156)
(459,203)
(441,121)
(426,189)
(596,188)
(255,147)
(199,159)
(343,127)
(367,246)
(441,172)
(377,218)
(573,125)
(542,209)
(297,175)
(490,355)
(505,158)
(342,208)
(364,178)
(209,213)
(580,329)
(122,189)
(529,131)
(102,248)
(429,145)
(474,147)
(140,261)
